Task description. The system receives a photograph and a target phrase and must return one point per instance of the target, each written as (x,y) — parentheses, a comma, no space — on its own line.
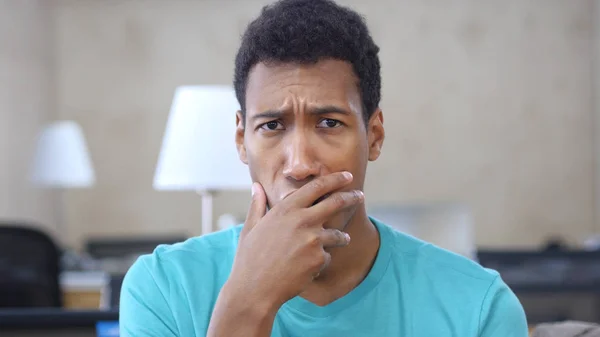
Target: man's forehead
(327,82)
(327,69)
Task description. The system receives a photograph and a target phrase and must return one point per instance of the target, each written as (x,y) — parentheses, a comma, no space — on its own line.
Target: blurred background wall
(27,102)
(490,103)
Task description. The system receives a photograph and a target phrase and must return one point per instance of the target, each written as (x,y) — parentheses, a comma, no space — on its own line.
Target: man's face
(303,122)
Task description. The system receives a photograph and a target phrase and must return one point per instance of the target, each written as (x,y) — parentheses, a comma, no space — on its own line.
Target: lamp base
(207,209)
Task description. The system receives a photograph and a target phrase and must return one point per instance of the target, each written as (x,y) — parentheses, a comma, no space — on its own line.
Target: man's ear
(239,137)
(375,134)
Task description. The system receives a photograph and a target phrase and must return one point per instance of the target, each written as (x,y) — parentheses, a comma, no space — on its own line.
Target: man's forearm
(241,315)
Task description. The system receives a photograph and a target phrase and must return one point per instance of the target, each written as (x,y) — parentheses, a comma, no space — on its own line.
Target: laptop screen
(107,329)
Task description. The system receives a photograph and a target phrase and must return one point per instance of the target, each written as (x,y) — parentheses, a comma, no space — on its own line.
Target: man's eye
(272,125)
(329,123)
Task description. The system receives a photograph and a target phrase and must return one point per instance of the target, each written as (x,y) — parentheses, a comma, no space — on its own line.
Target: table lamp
(61,159)
(198,150)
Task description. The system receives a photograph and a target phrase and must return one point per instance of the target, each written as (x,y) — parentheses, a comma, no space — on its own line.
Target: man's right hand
(280,253)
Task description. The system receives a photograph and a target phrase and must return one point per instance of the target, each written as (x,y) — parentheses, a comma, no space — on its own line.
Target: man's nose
(300,160)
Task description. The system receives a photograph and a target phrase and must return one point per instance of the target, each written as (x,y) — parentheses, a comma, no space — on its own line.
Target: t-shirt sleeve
(502,314)
(144,307)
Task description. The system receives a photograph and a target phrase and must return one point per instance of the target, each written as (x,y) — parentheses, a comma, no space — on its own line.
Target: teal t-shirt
(414,289)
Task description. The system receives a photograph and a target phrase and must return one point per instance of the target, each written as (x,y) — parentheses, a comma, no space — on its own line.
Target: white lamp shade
(61,157)
(198,150)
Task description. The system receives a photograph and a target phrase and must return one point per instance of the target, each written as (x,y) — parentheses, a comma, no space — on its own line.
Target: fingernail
(253,189)
(347,236)
(347,175)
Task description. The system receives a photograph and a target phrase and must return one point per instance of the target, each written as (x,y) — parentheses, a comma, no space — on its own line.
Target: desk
(52,322)
(552,285)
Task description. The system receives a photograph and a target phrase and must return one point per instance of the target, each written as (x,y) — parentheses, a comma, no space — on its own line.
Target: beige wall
(486,102)
(26,102)
(596,105)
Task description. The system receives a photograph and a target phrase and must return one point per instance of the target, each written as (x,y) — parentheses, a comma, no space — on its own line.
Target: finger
(309,193)
(258,208)
(333,238)
(327,258)
(334,204)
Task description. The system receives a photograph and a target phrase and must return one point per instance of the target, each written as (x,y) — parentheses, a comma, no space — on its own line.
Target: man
(308,261)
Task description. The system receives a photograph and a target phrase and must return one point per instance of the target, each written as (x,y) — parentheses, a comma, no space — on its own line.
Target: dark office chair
(29,268)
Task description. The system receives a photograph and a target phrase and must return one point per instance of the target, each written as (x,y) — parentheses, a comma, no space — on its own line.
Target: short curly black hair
(307,31)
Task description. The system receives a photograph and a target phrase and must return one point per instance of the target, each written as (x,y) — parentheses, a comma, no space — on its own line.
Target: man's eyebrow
(327,109)
(268,114)
(320,110)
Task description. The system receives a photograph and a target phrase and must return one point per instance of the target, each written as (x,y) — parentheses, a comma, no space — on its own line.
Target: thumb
(258,208)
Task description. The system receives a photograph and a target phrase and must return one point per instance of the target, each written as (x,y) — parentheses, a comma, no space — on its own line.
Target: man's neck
(349,265)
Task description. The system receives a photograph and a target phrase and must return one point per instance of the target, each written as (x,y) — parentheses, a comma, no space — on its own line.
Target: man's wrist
(239,312)
(248,302)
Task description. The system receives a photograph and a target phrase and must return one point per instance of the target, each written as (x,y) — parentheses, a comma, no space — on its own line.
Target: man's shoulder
(457,284)
(211,252)
(208,245)
(165,284)
(435,260)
